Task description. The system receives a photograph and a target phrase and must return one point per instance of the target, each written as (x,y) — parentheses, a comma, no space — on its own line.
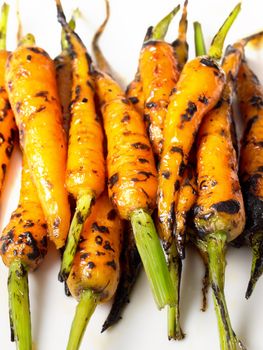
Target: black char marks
(209,62)
(256,101)
(101,229)
(190,111)
(112,214)
(112,264)
(230,206)
(38,51)
(140,145)
(113,180)
(6,240)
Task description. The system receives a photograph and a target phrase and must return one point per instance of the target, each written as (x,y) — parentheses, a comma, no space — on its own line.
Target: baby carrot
(197,91)
(250,99)
(132,181)
(7,120)
(95,271)
(85,178)
(23,245)
(32,91)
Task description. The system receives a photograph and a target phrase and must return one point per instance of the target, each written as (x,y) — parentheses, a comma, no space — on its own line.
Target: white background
(142,327)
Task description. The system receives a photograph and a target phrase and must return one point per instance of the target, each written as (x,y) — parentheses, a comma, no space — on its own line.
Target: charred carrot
(132,181)
(85,178)
(130,259)
(197,91)
(159,74)
(250,99)
(7,120)
(95,271)
(32,91)
(23,245)
(219,214)
(134,93)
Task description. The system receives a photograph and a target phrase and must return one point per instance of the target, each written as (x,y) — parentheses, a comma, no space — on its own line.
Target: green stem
(64,41)
(175,268)
(217,44)
(216,245)
(19,305)
(153,258)
(161,28)
(257,262)
(81,213)
(3,25)
(86,307)
(27,40)
(200,48)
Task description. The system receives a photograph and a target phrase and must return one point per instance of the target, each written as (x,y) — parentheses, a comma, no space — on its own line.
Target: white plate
(142,327)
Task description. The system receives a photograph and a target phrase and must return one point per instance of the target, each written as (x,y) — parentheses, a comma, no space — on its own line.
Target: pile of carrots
(122,179)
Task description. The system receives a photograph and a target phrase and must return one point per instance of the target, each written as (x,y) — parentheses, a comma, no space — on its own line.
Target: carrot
(158,73)
(85,177)
(250,99)
(130,259)
(32,91)
(95,271)
(7,121)
(132,180)
(220,214)
(134,93)
(23,245)
(197,91)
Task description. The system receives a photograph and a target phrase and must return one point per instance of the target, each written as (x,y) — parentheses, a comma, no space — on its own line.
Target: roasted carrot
(132,180)
(134,93)
(95,271)
(7,121)
(85,178)
(130,261)
(23,245)
(197,91)
(158,73)
(180,45)
(32,91)
(219,213)
(250,99)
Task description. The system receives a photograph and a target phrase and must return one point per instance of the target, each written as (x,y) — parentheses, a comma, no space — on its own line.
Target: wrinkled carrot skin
(85,165)
(186,200)
(197,91)
(32,91)
(159,73)
(7,122)
(64,83)
(132,175)
(134,93)
(25,236)
(96,264)
(220,203)
(250,98)
(180,45)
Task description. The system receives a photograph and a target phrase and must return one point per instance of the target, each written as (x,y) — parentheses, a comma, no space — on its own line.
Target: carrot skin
(7,122)
(32,91)
(198,90)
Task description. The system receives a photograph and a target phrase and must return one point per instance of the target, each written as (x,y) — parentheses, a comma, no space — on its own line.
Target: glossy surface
(142,326)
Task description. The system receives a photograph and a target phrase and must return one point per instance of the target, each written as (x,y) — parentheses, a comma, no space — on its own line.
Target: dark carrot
(197,91)
(95,271)
(23,245)
(85,166)
(32,91)
(250,99)
(7,121)
(132,181)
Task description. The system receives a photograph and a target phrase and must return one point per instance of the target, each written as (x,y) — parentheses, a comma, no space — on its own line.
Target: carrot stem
(257,262)
(27,40)
(175,268)
(19,307)
(200,48)
(153,258)
(64,41)
(161,28)
(217,44)
(86,307)
(216,245)
(3,25)
(81,213)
